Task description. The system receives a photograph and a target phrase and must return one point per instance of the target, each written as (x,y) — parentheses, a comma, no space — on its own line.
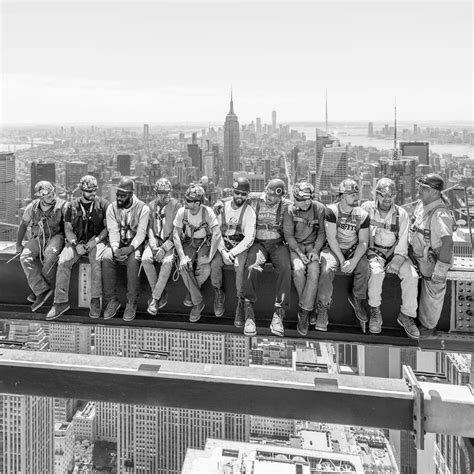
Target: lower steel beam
(260,391)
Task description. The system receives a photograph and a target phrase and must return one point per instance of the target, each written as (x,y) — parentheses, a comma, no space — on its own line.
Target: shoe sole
(46,298)
(239,325)
(375,331)
(153,313)
(409,335)
(277,332)
(68,307)
(302,332)
(355,312)
(321,329)
(30,299)
(112,315)
(195,320)
(94,316)
(162,305)
(128,319)
(250,334)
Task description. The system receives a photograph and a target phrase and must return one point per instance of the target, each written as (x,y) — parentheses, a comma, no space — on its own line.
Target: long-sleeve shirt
(232,217)
(381,234)
(161,221)
(134,219)
(304,233)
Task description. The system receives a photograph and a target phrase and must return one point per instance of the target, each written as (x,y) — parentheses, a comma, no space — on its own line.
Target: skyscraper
(333,171)
(146,132)
(258,128)
(123,164)
(42,171)
(195,153)
(231,144)
(274,121)
(75,170)
(7,195)
(371,129)
(27,441)
(419,149)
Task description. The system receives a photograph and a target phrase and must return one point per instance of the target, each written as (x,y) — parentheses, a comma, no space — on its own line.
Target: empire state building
(231,144)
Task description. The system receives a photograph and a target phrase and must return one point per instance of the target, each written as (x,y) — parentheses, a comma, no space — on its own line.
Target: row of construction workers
(302,238)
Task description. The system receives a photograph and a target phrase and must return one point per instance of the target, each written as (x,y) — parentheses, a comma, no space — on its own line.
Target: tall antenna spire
(395,151)
(326,110)
(231,102)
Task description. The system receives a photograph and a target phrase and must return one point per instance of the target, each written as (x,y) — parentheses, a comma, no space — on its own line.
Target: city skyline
(176,63)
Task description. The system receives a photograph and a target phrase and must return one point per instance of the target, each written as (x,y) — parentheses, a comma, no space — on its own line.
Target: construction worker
(127,223)
(237,224)
(196,237)
(431,247)
(86,233)
(270,207)
(388,253)
(39,255)
(303,226)
(160,247)
(347,233)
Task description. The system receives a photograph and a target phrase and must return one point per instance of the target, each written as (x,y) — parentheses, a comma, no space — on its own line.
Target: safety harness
(393,226)
(187,236)
(128,230)
(297,217)
(230,241)
(277,226)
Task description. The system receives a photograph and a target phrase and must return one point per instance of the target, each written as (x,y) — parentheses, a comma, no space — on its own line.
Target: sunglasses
(241,193)
(191,201)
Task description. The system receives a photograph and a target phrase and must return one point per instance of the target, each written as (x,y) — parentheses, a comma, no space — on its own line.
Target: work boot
(313,315)
(31,298)
(41,299)
(111,309)
(219,299)
(239,320)
(359,309)
(130,311)
(276,326)
(375,323)
(195,314)
(250,328)
(188,301)
(152,306)
(409,325)
(322,319)
(56,310)
(95,309)
(163,300)
(303,322)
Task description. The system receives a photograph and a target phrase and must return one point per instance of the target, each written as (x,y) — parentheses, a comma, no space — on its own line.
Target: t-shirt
(267,216)
(347,233)
(196,221)
(232,217)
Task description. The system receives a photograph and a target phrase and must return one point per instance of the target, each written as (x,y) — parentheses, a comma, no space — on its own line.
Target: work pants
(329,266)
(217,265)
(305,278)
(63,274)
(40,274)
(158,281)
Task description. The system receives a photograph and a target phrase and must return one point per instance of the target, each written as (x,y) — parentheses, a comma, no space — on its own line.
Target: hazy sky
(176,62)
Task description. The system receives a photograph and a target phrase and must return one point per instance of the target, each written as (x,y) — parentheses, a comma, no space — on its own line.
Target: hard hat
(88,183)
(276,187)
(431,180)
(163,186)
(348,186)
(303,191)
(43,188)
(385,186)
(195,193)
(241,184)
(125,185)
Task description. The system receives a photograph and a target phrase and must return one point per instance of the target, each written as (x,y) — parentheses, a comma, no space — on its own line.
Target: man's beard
(88,197)
(124,204)
(238,201)
(354,204)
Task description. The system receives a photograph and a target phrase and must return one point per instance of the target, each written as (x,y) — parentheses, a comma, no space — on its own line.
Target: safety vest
(87,223)
(277,226)
(128,230)
(50,222)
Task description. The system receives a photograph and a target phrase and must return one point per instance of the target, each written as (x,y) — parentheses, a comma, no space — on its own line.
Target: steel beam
(329,398)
